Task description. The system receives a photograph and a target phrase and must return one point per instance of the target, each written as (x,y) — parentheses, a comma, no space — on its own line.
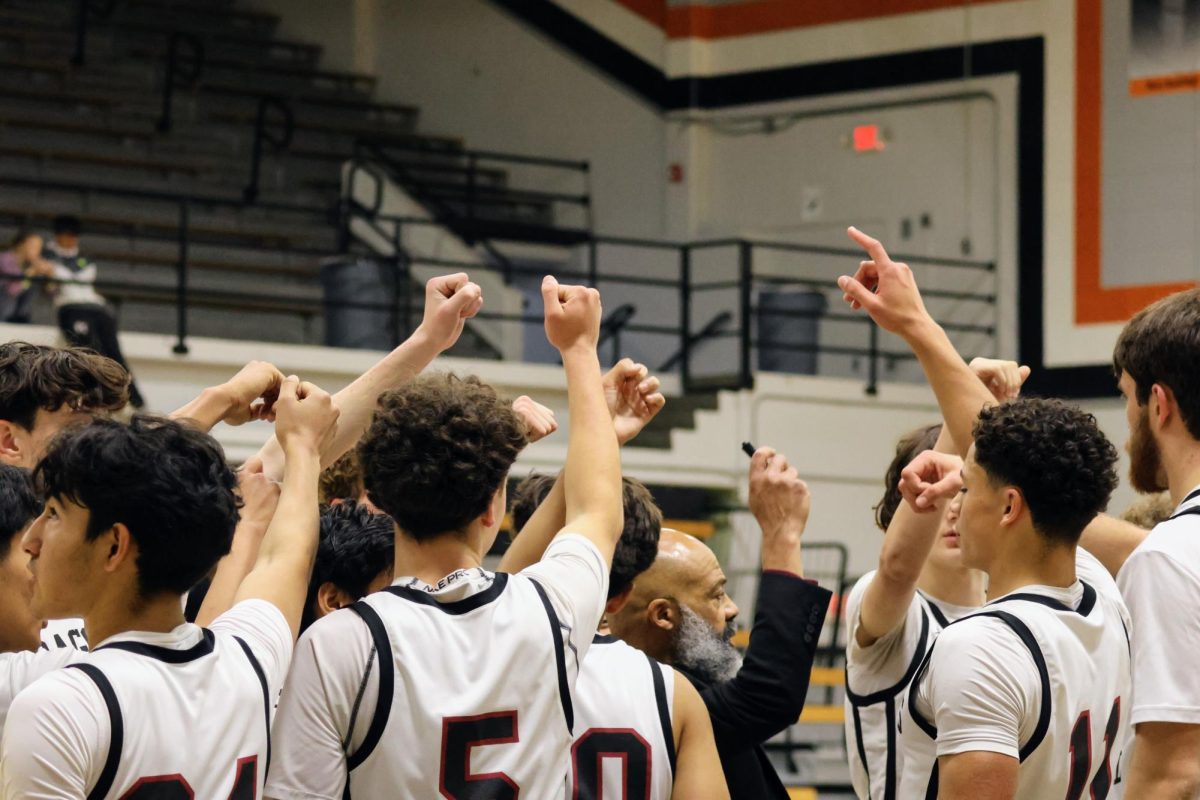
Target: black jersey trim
(601,638)
(1191,496)
(266,692)
(933,609)
(931,791)
(467,604)
(664,710)
(1039,660)
(861,745)
(167,655)
(893,691)
(1185,512)
(1086,603)
(387,679)
(924,724)
(116,739)
(560,658)
(889,787)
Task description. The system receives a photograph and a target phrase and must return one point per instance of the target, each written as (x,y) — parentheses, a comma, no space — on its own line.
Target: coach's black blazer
(767,695)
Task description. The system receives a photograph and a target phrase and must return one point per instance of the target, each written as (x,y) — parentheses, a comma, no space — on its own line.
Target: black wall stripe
(664,713)
(560,657)
(266,692)
(117,737)
(387,679)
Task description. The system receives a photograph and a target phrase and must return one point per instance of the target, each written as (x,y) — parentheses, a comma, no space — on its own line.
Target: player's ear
(614,605)
(1014,503)
(1162,402)
(661,614)
(330,598)
(494,512)
(120,546)
(10,445)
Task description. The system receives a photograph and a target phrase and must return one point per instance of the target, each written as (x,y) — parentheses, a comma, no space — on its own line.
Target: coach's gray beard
(699,649)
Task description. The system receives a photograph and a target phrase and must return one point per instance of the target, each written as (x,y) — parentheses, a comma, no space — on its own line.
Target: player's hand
(572,315)
(779,500)
(539,420)
(450,300)
(251,393)
(884,288)
(260,496)
(305,416)
(633,398)
(929,478)
(1002,378)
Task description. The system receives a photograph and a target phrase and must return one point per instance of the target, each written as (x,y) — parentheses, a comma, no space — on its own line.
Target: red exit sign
(868,139)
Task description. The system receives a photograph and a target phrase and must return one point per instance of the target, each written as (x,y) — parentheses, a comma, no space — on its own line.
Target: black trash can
(359,297)
(794,326)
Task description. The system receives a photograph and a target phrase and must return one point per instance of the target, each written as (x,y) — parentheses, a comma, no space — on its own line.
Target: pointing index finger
(873,247)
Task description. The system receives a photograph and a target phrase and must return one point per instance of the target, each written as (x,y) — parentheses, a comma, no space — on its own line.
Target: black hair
(437,451)
(638,546)
(19,505)
(356,546)
(167,482)
(66,223)
(1058,457)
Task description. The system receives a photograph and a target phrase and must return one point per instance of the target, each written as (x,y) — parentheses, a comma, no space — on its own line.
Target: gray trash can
(358,294)
(795,326)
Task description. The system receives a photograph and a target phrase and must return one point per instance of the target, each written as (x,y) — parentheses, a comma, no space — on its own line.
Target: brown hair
(1161,344)
(911,445)
(341,480)
(437,451)
(36,377)
(1148,511)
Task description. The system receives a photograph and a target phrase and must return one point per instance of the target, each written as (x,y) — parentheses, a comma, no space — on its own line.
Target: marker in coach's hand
(748,449)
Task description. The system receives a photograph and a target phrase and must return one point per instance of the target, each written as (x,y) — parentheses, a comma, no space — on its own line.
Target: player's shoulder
(1173,544)
(855,597)
(975,636)
(58,689)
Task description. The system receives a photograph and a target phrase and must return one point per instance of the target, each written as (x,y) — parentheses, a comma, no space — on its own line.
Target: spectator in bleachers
(22,260)
(83,314)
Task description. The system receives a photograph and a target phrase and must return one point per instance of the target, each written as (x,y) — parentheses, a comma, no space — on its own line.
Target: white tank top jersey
(110,726)
(624,744)
(473,697)
(1041,674)
(877,679)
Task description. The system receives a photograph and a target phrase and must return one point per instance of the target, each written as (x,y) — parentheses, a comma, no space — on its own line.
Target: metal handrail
(84,11)
(174,76)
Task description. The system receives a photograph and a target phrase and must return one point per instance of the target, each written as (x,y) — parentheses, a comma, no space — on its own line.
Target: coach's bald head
(679,604)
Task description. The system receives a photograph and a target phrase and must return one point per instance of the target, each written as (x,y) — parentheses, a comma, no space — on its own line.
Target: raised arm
(450,300)
(698,771)
(593,470)
(633,399)
(260,496)
(248,395)
(306,420)
(768,692)
(887,291)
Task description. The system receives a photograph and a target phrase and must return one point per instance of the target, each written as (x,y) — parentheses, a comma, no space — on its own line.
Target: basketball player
(997,709)
(472,693)
(134,516)
(641,728)
(355,558)
(1157,360)
(894,613)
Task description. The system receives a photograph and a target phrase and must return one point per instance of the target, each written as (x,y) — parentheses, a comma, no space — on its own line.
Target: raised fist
(572,315)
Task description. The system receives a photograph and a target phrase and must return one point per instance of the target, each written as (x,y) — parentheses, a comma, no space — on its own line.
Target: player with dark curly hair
(401,694)
(1027,697)
(135,514)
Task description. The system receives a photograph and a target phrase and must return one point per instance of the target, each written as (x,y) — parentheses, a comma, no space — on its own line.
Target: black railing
(263,135)
(85,12)
(740,318)
(180,70)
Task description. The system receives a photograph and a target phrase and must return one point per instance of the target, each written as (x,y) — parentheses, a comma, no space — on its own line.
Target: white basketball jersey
(474,700)
(184,723)
(872,716)
(1082,659)
(624,746)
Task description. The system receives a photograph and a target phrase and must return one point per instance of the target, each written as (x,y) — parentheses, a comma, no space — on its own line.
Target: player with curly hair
(1029,696)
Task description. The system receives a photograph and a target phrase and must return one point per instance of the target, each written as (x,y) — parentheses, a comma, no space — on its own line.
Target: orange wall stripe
(1093,302)
(653,11)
